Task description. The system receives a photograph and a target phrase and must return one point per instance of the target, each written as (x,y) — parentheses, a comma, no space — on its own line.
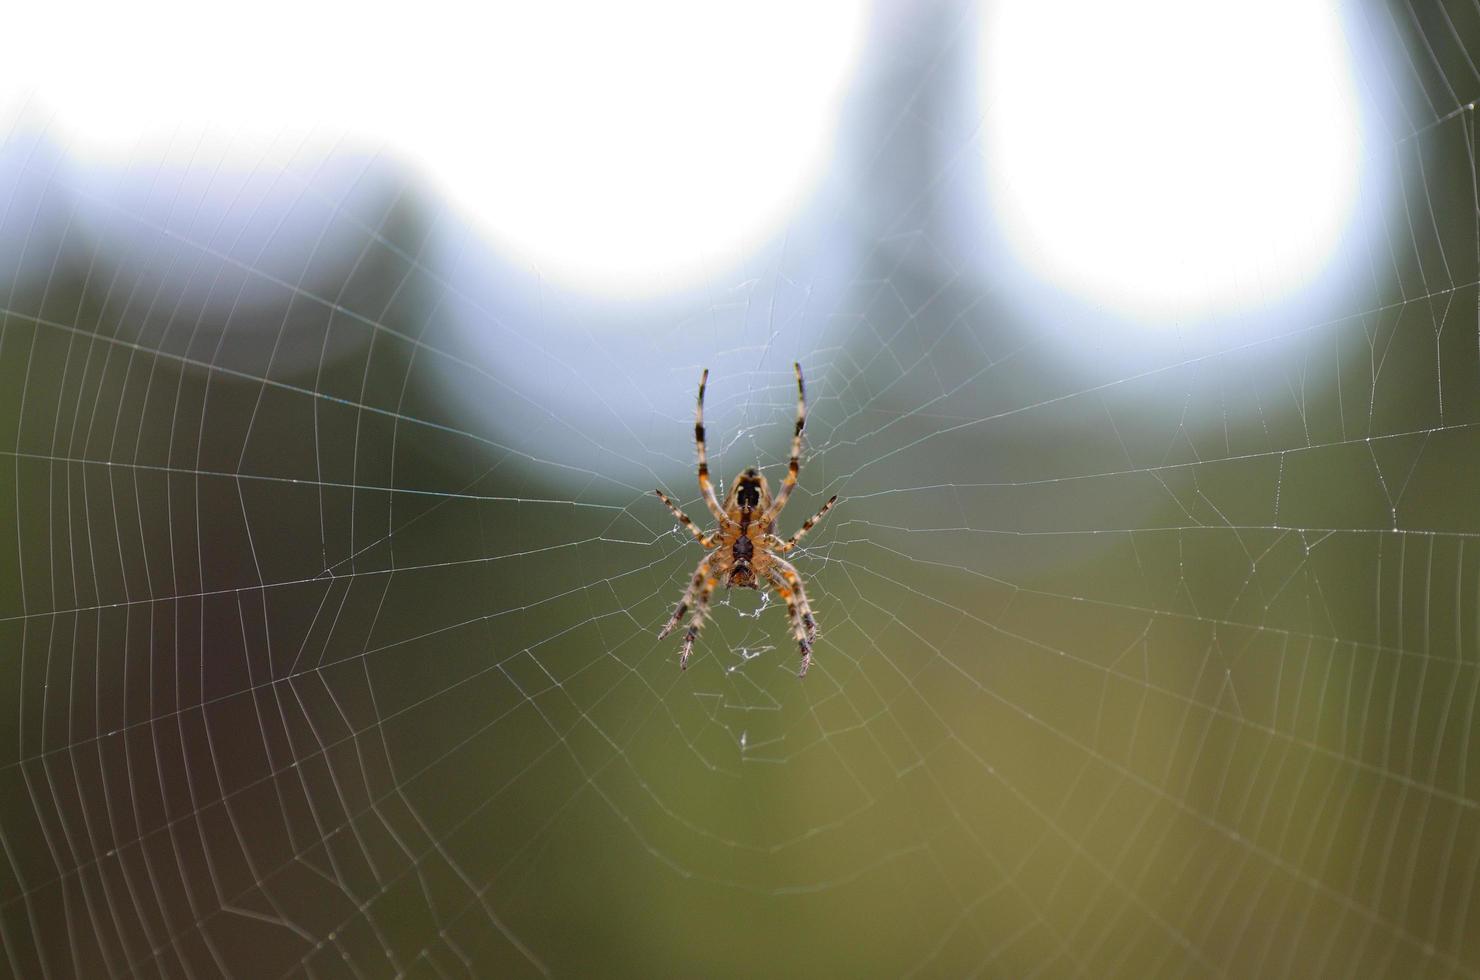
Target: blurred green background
(1161,665)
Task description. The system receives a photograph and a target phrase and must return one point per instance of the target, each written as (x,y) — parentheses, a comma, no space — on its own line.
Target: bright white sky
(620,148)
(1164,159)
(1171,160)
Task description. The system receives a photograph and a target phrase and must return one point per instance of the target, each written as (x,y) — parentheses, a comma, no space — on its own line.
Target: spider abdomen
(742,575)
(744,550)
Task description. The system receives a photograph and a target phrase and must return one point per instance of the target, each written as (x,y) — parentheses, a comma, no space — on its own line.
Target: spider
(744,551)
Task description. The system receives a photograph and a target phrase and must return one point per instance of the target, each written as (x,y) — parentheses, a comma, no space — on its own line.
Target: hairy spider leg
(796,454)
(688,596)
(705,485)
(687,522)
(784,546)
(798,630)
(701,606)
(804,607)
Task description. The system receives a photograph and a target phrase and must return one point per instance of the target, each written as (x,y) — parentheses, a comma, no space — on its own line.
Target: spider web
(1125,669)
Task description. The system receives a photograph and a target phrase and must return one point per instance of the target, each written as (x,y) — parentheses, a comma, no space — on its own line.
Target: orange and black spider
(744,550)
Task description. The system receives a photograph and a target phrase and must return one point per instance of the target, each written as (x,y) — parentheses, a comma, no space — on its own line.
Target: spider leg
(685,520)
(793,578)
(688,596)
(807,525)
(701,606)
(706,487)
(796,452)
(803,626)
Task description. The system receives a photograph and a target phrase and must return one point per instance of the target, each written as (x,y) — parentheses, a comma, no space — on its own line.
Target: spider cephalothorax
(744,550)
